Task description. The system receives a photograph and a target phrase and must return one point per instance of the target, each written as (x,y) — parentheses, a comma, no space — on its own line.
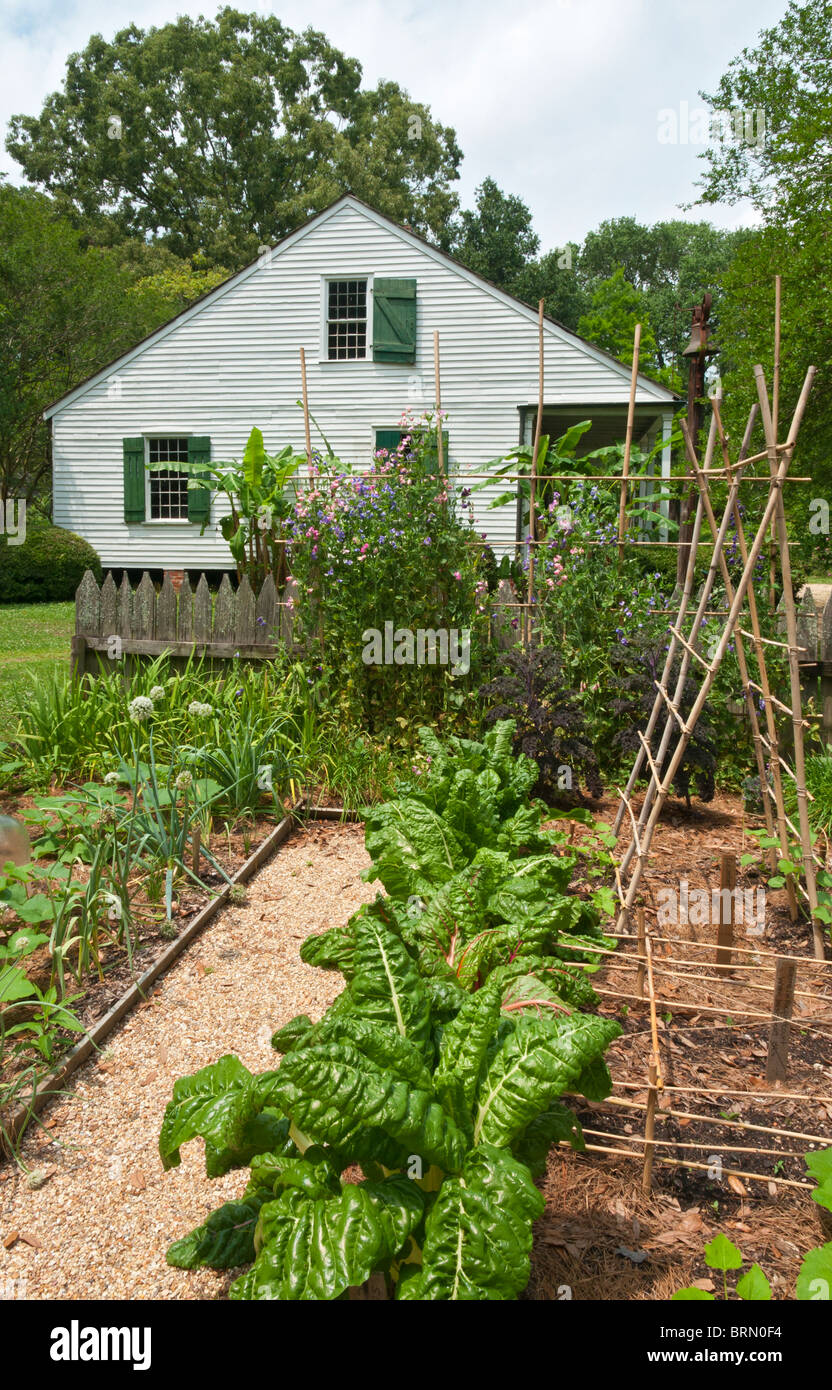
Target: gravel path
(100,1224)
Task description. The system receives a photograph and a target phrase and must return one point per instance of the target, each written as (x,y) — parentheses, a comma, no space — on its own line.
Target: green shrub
(46,568)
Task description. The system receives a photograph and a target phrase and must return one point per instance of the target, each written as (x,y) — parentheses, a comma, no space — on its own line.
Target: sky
(562,102)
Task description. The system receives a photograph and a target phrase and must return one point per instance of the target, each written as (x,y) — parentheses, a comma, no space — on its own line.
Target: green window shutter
(199,498)
(394,320)
(388,439)
(134,479)
(432,458)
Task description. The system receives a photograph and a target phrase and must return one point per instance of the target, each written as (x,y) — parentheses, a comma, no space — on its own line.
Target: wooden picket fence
(116,622)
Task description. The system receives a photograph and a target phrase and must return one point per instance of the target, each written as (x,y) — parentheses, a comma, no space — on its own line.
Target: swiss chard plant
(447,1101)
(438,1070)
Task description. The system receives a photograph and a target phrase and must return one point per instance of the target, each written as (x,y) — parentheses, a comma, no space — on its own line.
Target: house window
(167,487)
(346,320)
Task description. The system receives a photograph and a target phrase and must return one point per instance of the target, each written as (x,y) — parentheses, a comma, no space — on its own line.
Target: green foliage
(380,558)
(47,567)
(616,308)
(430,1111)
(496,238)
(200,131)
(261,501)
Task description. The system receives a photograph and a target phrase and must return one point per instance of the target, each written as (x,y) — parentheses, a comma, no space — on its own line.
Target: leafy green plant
(448,1104)
(549,723)
(260,499)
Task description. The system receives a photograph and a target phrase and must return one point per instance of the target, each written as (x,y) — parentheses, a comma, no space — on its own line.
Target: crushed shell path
(100,1224)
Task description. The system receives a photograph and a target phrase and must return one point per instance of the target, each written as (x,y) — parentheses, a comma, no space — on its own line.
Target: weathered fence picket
(113,623)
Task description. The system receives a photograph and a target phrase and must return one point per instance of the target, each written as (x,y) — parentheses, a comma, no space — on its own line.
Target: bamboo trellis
(665,761)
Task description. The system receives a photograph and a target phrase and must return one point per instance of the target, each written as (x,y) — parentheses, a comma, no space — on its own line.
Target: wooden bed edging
(137,992)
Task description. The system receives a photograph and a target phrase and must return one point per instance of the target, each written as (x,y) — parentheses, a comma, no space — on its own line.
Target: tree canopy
(218,136)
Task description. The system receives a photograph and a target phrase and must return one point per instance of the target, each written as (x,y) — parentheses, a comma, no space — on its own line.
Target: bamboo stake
(654,1023)
(771,725)
(668,665)
(305,407)
(649,1129)
(642,950)
(440,443)
(702,1167)
(533,480)
(775,419)
(725,930)
(729,1091)
(794,673)
(628,444)
(731,623)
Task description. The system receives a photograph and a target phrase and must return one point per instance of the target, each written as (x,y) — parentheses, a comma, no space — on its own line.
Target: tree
(617,306)
(776,105)
(221,136)
(67,307)
(672,264)
(496,238)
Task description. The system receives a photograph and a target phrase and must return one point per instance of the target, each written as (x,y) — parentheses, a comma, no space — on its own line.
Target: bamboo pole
(725,930)
(794,673)
(642,951)
(533,480)
(730,625)
(775,418)
(628,444)
(305,407)
(649,1129)
(440,443)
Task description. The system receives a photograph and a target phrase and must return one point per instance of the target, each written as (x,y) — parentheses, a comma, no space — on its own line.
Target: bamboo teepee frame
(684,644)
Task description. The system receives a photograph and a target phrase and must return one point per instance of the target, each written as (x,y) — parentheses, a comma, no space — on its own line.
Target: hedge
(46,568)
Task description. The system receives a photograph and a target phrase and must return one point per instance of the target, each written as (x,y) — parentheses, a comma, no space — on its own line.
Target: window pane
(168,486)
(346,319)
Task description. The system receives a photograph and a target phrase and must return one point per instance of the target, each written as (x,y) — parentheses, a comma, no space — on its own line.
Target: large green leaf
(333,1094)
(553,1125)
(386,987)
(465,1042)
(216,1103)
(225,1240)
(533,1066)
(478,1233)
(814,1282)
(412,848)
(315,1249)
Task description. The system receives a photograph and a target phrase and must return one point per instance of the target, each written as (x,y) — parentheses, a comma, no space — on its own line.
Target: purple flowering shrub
(391,545)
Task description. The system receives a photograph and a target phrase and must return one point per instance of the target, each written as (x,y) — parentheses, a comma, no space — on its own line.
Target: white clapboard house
(363,296)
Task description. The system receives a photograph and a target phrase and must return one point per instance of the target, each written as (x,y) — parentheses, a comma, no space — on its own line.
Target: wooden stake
(725,932)
(781,1013)
(775,417)
(628,442)
(642,950)
(818,929)
(649,1128)
(305,406)
(196,845)
(440,443)
(538,428)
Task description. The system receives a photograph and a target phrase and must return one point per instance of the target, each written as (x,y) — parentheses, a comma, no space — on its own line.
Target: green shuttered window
(199,498)
(170,497)
(394,320)
(134,479)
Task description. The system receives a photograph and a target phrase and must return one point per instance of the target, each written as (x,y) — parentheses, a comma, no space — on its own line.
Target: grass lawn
(34,641)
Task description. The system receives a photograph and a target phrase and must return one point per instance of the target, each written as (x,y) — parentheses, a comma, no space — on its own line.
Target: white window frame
(326,281)
(160,520)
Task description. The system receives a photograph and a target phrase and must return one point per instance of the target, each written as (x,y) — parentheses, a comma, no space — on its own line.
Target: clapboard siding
(234,362)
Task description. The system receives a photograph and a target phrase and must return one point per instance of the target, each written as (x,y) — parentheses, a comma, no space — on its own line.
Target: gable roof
(656,391)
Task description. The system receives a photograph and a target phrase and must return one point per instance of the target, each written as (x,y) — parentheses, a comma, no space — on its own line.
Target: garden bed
(95,1214)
